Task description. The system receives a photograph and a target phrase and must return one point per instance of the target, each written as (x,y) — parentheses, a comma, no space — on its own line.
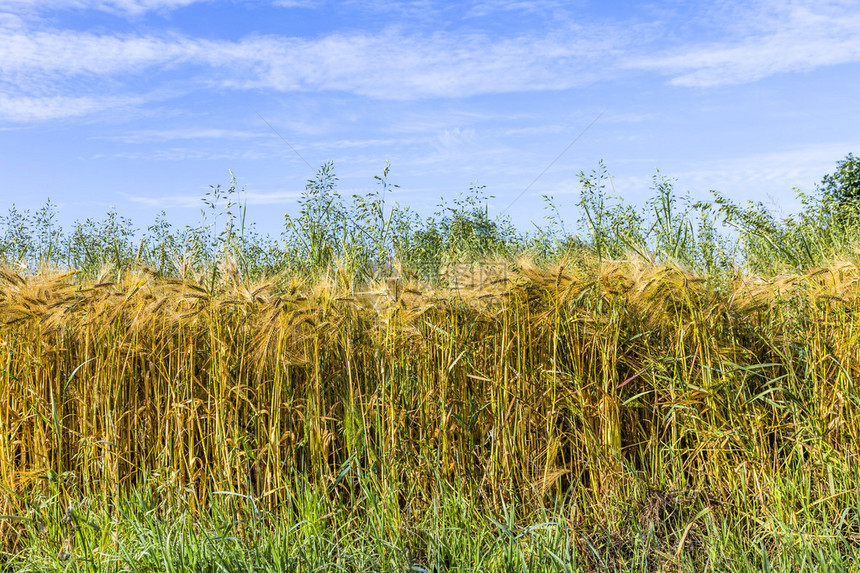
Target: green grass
(318,531)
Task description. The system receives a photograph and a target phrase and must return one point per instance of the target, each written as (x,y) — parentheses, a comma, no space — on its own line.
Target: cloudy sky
(143,104)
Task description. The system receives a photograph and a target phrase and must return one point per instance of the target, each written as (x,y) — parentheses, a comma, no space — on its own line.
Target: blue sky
(142,104)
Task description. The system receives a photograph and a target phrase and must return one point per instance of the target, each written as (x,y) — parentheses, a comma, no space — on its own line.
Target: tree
(843,185)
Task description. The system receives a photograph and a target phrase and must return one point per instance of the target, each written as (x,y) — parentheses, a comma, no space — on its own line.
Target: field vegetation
(668,387)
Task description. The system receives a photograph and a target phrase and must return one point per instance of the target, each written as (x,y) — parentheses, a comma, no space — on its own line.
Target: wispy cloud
(158,135)
(769,178)
(362,143)
(23,108)
(387,65)
(194,201)
(776,171)
(483,8)
(298,3)
(166,202)
(765,39)
(179,153)
(48,73)
(131,7)
(393,66)
(33,58)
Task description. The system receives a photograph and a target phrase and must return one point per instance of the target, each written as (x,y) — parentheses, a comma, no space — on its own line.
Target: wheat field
(635,392)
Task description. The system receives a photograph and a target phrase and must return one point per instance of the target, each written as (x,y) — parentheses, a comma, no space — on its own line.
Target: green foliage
(820,232)
(611,229)
(376,225)
(372,236)
(668,229)
(96,244)
(468,231)
(17,241)
(320,231)
(672,232)
(843,185)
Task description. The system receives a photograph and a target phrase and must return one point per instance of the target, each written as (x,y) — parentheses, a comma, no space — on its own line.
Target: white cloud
(130,7)
(387,65)
(298,3)
(166,202)
(767,39)
(767,177)
(22,108)
(483,8)
(393,66)
(363,143)
(456,138)
(157,135)
(72,73)
(179,154)
(194,201)
(270,197)
(774,173)
(45,56)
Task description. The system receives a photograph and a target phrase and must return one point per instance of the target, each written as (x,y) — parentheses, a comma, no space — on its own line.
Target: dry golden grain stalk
(532,379)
